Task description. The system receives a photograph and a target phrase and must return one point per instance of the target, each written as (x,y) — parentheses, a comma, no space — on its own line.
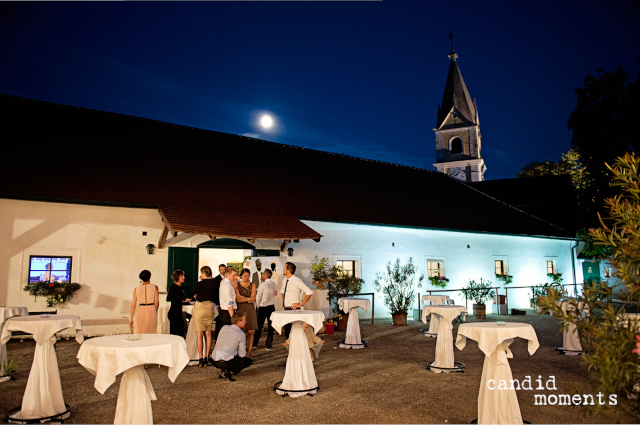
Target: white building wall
(108,252)
(376,245)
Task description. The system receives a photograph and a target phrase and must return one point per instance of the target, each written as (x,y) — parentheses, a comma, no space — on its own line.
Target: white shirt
(231,342)
(266,294)
(291,290)
(227,296)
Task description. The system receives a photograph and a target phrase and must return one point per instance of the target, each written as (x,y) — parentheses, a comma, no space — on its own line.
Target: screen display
(50,269)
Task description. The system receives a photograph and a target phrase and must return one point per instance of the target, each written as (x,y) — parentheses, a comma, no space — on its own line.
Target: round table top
(284,317)
(347,303)
(6,312)
(449,312)
(108,356)
(489,335)
(436,298)
(42,327)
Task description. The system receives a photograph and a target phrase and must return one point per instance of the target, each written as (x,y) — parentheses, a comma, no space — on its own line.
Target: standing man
(265,300)
(216,298)
(255,279)
(231,349)
(291,294)
(228,296)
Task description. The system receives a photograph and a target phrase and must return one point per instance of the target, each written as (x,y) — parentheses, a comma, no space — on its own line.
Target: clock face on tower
(458,173)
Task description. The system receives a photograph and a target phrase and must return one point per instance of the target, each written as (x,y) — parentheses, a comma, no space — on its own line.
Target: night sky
(359,78)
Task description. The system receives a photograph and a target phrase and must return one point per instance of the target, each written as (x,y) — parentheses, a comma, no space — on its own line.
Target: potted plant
(56,292)
(480,293)
(398,285)
(507,279)
(340,287)
(330,323)
(7,370)
(439,281)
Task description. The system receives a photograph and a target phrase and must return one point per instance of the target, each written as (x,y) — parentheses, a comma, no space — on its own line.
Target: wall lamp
(151,249)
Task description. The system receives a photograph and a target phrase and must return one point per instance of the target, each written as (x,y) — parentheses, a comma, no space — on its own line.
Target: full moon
(266,121)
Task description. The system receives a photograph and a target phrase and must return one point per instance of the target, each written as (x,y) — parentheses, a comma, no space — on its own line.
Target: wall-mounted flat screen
(49,269)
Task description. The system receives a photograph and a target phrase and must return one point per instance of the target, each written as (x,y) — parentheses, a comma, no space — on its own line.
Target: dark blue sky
(360,78)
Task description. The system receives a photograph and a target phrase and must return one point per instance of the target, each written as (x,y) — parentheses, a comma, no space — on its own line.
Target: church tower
(458,130)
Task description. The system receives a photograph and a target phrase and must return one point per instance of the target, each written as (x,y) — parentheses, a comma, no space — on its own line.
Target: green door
(591,271)
(185,259)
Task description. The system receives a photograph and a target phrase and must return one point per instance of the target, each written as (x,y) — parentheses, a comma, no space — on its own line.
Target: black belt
(288,308)
(147,304)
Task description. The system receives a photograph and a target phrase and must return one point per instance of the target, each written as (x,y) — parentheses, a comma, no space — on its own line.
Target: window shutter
(185,259)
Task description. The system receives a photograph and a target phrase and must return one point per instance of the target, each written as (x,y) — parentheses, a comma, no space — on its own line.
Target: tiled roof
(215,183)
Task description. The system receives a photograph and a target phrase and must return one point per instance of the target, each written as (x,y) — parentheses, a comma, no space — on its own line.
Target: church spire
(456,97)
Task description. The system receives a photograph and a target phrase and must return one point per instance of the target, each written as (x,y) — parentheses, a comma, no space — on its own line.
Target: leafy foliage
(603,127)
(506,278)
(321,269)
(398,285)
(9,367)
(439,281)
(607,335)
(537,292)
(480,292)
(343,286)
(56,292)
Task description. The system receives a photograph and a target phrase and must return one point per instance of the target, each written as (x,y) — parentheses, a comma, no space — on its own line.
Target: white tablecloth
(497,406)
(570,336)
(192,340)
(627,318)
(444,314)
(350,305)
(108,356)
(435,321)
(5,313)
(43,395)
(299,374)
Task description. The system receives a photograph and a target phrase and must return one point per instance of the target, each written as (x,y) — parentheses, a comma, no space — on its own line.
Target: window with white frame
(551,267)
(500,267)
(435,268)
(348,268)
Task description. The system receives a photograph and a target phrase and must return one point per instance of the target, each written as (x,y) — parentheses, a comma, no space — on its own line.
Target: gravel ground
(386,383)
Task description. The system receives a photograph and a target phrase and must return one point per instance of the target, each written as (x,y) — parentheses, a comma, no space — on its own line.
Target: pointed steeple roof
(456,95)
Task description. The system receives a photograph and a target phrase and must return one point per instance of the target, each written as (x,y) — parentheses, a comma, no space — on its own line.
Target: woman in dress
(145,297)
(245,299)
(176,297)
(203,314)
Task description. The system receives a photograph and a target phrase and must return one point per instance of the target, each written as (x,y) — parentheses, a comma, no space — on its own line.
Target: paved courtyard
(386,383)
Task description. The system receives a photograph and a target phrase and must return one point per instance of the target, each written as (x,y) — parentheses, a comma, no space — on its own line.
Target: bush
(342,287)
(398,286)
(479,292)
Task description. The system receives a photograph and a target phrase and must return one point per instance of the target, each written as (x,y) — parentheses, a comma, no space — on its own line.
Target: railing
(506,295)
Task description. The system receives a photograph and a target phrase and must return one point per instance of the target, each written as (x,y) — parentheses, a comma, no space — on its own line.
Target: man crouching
(231,348)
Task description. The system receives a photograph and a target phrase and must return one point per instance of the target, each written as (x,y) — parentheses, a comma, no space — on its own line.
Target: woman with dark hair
(203,313)
(245,299)
(176,297)
(145,297)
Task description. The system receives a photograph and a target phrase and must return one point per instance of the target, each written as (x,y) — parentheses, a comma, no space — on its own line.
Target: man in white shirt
(231,348)
(265,300)
(293,285)
(228,297)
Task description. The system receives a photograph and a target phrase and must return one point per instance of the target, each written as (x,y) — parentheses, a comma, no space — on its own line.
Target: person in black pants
(265,300)
(227,296)
(230,353)
(216,299)
(176,297)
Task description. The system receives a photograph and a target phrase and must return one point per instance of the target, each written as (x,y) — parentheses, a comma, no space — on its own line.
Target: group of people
(242,307)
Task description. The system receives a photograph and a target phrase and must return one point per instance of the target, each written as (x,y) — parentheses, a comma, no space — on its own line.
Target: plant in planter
(439,281)
(507,279)
(339,287)
(398,285)
(56,292)
(480,293)
(557,278)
